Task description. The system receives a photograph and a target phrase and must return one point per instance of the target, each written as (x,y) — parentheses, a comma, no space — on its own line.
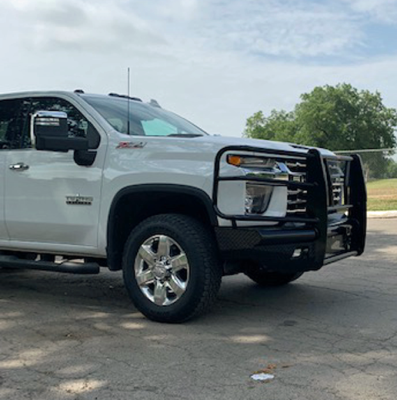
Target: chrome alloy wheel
(161,270)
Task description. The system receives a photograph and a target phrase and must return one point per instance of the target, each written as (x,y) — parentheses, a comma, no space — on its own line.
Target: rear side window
(16,114)
(11,124)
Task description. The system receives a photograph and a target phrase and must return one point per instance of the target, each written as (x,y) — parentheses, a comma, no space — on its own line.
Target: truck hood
(223,141)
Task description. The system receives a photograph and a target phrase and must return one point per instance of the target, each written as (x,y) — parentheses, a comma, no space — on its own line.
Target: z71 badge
(131,145)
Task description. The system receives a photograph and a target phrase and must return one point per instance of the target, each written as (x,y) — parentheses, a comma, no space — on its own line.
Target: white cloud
(289,28)
(382,10)
(213,61)
(282,28)
(175,9)
(82,26)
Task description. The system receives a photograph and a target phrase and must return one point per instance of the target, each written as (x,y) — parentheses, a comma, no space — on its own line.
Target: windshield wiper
(189,135)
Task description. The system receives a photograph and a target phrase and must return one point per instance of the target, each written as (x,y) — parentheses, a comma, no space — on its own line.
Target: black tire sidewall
(191,243)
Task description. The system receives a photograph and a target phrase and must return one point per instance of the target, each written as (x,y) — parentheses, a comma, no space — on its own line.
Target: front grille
(297,198)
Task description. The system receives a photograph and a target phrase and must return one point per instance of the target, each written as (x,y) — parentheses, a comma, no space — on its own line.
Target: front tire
(270,279)
(170,268)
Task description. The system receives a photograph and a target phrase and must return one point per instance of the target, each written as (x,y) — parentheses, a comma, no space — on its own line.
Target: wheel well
(129,208)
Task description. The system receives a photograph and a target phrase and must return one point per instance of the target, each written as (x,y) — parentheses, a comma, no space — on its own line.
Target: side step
(67,267)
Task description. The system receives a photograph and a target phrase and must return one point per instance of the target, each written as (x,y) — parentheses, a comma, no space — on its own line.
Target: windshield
(144,119)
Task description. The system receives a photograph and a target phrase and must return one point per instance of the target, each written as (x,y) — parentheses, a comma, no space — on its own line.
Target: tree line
(336,118)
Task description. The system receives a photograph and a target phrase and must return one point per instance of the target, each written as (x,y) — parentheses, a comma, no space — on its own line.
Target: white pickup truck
(108,180)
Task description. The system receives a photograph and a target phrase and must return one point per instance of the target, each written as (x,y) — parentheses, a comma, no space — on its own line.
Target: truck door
(9,121)
(49,198)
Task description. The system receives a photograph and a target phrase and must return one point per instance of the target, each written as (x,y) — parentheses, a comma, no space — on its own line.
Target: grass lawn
(382,195)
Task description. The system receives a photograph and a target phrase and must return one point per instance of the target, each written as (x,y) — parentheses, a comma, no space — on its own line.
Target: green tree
(391,169)
(334,117)
(280,126)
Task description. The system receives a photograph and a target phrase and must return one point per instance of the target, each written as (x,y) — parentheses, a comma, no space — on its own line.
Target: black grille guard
(318,187)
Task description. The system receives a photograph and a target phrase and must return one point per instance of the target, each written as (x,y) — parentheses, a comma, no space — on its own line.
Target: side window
(78,125)
(11,123)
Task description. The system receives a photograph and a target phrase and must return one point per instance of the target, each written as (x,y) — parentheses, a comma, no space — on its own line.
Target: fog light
(257,198)
(297,253)
(300,252)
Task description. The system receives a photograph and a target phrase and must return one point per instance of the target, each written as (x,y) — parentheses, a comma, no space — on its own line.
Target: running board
(67,267)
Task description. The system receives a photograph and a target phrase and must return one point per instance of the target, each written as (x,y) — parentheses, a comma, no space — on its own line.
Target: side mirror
(49,131)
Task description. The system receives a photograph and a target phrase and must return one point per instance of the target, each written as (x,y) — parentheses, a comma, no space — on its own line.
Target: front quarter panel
(135,161)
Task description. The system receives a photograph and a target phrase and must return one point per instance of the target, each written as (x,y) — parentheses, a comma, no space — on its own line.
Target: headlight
(257,198)
(251,161)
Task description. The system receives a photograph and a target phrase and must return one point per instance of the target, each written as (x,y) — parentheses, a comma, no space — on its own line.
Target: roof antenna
(128,101)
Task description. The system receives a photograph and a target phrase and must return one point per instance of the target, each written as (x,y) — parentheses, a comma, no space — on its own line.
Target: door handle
(19,167)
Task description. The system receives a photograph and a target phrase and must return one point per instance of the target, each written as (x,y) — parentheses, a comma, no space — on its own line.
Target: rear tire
(170,268)
(270,279)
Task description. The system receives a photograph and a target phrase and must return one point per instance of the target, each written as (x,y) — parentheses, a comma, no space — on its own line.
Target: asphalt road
(330,335)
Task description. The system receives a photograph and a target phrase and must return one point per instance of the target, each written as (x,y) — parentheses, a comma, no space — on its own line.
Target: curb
(382,214)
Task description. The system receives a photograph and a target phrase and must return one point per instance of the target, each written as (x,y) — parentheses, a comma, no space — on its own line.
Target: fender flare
(173,189)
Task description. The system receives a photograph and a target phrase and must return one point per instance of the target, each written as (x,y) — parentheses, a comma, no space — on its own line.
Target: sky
(215,62)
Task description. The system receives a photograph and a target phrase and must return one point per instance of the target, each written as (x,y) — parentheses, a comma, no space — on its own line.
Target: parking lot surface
(330,335)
